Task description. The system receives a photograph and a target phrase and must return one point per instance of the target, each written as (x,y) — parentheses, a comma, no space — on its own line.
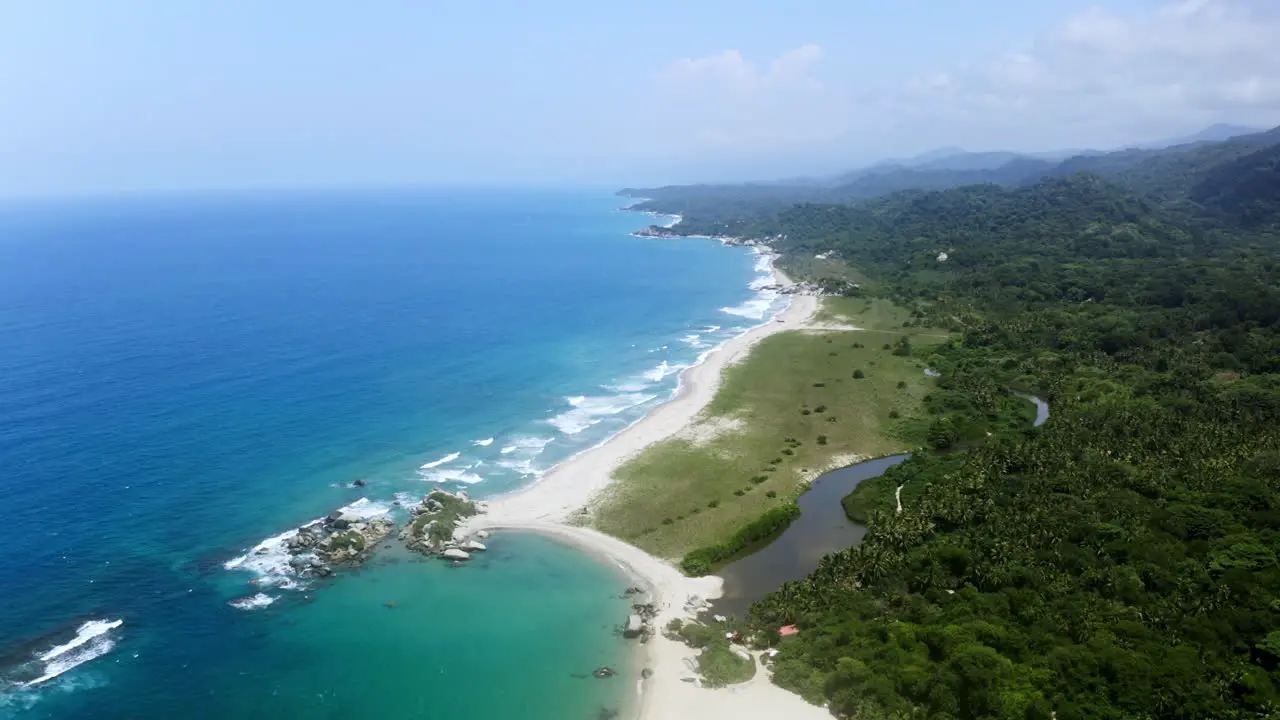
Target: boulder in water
(473,546)
(455,554)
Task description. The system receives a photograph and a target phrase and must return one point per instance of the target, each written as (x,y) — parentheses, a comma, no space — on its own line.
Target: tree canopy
(1121,560)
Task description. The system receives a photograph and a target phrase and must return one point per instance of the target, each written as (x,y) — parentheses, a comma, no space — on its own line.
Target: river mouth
(821,529)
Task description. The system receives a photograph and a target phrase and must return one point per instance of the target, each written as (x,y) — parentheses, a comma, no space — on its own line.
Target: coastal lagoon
(182,378)
(821,529)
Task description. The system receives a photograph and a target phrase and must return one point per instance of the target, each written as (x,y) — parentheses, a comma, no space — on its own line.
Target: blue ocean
(184,379)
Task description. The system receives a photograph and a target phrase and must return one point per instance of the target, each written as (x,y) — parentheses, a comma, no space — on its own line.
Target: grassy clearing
(792,408)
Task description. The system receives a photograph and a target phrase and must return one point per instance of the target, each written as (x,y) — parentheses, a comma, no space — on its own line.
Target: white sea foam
(366,509)
(93,639)
(588,411)
(754,309)
(530,443)
(711,328)
(524,466)
(268,561)
(657,373)
(446,459)
(508,449)
(458,475)
(693,340)
(663,370)
(253,602)
(483,443)
(628,387)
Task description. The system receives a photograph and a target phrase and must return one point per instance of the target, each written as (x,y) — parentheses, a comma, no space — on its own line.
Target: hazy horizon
(137,96)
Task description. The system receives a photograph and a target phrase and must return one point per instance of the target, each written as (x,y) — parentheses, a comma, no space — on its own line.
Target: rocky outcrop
(341,538)
(434,529)
(633,626)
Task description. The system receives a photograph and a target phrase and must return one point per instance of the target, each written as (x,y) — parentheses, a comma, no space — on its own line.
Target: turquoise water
(183,378)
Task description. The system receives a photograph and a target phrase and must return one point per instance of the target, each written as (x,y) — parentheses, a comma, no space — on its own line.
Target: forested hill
(1119,561)
(1166,175)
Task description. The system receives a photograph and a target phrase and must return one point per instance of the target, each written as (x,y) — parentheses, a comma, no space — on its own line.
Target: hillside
(1122,560)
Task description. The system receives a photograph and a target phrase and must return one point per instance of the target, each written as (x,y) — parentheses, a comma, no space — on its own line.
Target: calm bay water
(181,378)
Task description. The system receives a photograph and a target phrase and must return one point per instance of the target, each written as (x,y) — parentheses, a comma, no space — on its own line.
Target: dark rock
(604,672)
(646,673)
(359,483)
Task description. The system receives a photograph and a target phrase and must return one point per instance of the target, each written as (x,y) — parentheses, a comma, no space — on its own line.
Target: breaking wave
(269,559)
(437,463)
(589,410)
(92,640)
(253,602)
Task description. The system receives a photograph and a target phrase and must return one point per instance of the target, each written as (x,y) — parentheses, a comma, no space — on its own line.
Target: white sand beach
(550,504)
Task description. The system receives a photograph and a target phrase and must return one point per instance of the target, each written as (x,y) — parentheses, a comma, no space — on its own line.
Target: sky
(138,95)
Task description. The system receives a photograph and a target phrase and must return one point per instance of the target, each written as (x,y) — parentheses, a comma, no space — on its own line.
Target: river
(822,528)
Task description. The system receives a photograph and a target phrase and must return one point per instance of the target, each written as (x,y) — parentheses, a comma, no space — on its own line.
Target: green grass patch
(771,402)
(452,510)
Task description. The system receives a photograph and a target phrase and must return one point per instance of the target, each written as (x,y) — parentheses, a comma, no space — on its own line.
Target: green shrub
(704,560)
(858,374)
(720,666)
(822,439)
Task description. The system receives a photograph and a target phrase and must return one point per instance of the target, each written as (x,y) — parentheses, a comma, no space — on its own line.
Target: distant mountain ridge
(1178,172)
(984,166)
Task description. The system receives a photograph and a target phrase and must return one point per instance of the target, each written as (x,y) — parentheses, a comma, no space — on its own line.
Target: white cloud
(1099,78)
(726,102)
(731,71)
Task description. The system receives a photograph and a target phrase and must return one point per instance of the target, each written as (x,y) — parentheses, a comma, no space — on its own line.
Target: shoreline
(551,505)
